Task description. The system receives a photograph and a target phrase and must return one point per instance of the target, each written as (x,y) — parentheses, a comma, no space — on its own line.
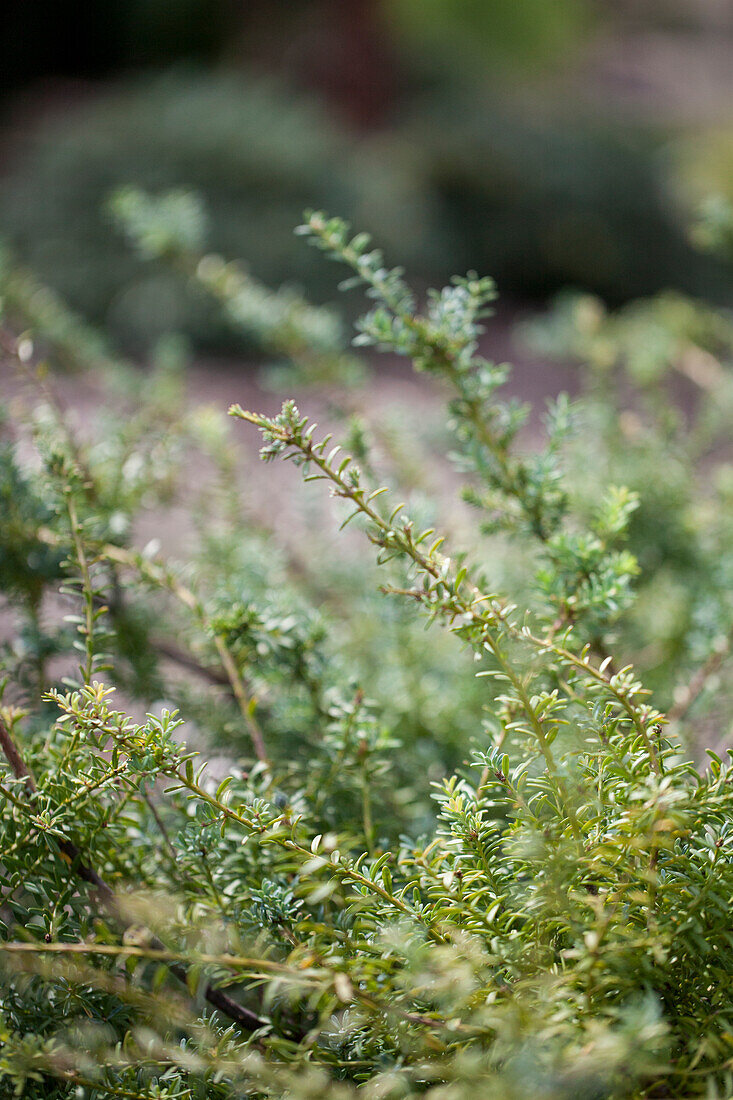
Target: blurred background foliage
(548,143)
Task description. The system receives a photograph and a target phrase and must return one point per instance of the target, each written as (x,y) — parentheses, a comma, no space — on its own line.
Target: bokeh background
(550,143)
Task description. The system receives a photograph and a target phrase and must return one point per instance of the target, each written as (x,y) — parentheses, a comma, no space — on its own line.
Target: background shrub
(256,154)
(542,205)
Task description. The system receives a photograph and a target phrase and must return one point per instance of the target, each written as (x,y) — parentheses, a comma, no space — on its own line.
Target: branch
(686,695)
(67,847)
(225,1004)
(448,592)
(186,660)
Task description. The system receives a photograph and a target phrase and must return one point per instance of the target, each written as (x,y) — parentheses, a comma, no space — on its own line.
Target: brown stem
(14,758)
(187,660)
(687,695)
(68,849)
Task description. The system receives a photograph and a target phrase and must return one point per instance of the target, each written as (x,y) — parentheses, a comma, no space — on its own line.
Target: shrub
(256,154)
(456,177)
(563,201)
(291,920)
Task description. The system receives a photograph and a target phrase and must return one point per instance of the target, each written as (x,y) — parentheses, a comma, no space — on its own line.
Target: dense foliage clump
(235,860)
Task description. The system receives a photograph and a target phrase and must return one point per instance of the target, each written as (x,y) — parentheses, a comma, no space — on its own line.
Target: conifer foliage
(304,924)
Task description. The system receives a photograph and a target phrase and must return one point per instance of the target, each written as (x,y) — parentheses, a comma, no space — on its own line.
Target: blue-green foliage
(265,885)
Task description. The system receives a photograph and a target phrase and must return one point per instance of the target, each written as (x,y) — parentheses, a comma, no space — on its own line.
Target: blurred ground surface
(393,394)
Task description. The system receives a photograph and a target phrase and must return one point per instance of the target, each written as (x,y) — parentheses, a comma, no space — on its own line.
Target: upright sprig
(484,620)
(443,340)
(92,593)
(521,494)
(172,227)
